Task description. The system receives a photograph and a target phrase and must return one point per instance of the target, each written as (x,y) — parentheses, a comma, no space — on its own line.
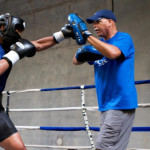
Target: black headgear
(10,25)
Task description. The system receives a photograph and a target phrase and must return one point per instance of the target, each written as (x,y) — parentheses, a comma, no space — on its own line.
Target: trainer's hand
(88,53)
(79,28)
(66,32)
(19,50)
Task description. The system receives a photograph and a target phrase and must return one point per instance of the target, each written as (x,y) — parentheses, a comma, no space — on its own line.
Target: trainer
(114,79)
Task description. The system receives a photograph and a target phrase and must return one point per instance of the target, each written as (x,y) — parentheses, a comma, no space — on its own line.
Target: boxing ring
(83,108)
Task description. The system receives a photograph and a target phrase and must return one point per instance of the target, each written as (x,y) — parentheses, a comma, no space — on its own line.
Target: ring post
(7,104)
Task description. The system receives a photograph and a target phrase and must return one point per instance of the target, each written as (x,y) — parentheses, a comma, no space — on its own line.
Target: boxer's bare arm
(17,51)
(44,43)
(47,42)
(4,65)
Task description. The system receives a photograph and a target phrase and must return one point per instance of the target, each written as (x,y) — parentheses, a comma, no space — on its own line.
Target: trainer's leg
(14,142)
(115,129)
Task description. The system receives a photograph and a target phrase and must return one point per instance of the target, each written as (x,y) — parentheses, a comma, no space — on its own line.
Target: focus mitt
(78,26)
(88,53)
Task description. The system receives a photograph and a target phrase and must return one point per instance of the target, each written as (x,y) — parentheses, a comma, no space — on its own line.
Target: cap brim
(91,19)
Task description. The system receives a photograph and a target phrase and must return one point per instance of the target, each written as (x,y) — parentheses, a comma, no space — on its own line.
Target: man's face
(17,30)
(101,27)
(7,42)
(2,28)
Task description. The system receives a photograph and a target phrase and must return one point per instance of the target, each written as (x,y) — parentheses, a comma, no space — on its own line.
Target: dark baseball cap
(105,13)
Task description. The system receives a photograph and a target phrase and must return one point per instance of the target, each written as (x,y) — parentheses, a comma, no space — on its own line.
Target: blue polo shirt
(114,79)
(4,76)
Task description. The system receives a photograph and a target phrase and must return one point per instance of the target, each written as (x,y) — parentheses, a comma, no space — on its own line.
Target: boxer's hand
(66,32)
(19,50)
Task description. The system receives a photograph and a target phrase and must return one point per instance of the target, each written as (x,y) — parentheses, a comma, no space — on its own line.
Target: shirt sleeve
(90,62)
(1,52)
(125,44)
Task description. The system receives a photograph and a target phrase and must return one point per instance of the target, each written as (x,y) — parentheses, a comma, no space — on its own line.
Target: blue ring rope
(142,82)
(88,86)
(134,129)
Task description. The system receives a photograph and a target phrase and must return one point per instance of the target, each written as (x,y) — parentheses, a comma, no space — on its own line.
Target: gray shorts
(115,130)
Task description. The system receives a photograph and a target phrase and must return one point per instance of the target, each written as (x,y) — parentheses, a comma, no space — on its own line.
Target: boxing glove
(19,50)
(66,32)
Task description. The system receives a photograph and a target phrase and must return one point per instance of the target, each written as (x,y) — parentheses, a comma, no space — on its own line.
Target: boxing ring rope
(66,88)
(87,128)
(134,129)
(94,108)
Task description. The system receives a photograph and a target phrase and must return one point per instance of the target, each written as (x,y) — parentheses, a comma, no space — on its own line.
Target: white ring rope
(54,109)
(60,147)
(94,108)
(22,91)
(137,149)
(72,147)
(28,127)
(144,105)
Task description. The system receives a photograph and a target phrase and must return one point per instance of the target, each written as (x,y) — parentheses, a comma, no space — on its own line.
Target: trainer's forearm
(4,65)
(107,50)
(76,62)
(44,43)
